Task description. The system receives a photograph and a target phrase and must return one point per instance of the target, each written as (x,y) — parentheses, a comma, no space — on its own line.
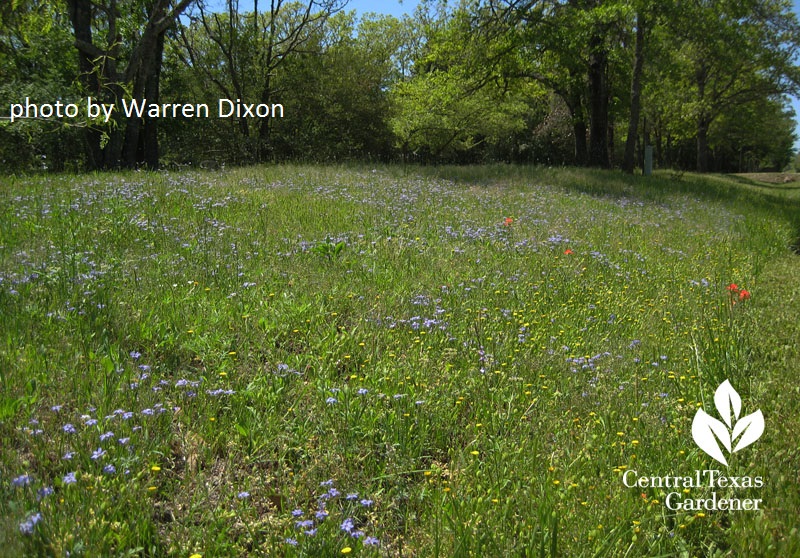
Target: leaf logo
(709,432)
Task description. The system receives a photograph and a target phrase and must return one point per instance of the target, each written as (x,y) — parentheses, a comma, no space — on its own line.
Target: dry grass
(771,177)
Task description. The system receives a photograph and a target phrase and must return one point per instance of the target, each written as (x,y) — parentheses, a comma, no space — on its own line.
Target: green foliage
(712,65)
(36,62)
(757,136)
(475,81)
(335,94)
(437,115)
(329,73)
(490,352)
(329,249)
(455,106)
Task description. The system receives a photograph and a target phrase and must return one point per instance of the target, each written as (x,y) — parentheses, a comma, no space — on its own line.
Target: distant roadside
(771,177)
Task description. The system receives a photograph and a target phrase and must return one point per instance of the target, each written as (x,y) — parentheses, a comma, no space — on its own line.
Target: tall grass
(317,361)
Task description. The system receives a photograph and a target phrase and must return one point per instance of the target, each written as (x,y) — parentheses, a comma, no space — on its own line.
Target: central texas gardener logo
(709,432)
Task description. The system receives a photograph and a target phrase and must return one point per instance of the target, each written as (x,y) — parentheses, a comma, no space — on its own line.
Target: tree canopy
(578,82)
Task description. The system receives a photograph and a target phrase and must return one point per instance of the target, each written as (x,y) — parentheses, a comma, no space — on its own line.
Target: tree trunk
(581,150)
(598,102)
(703,120)
(610,141)
(123,146)
(636,96)
(659,147)
(150,152)
(572,98)
(576,112)
(141,70)
(703,125)
(80,15)
(264,149)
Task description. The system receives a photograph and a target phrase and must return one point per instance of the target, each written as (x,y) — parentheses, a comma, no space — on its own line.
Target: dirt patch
(771,177)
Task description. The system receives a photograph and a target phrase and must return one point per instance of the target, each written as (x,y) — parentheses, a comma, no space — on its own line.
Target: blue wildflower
(22,480)
(26,527)
(348,525)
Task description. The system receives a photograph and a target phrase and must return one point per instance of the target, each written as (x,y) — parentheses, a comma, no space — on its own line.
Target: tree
(242,53)
(35,63)
(758,136)
(732,53)
(334,89)
(568,47)
(636,94)
(134,35)
(340,103)
(457,98)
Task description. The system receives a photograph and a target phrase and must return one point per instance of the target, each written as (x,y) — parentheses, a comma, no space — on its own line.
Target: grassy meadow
(400,361)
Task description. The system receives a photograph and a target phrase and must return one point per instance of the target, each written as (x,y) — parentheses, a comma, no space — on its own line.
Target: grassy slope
(482,386)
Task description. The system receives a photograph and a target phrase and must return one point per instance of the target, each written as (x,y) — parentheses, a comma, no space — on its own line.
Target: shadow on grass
(740,193)
(765,185)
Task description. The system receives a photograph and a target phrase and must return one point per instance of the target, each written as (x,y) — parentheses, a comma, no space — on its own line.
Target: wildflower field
(328,361)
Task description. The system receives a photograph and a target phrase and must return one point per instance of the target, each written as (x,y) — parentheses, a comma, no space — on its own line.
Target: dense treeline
(585,82)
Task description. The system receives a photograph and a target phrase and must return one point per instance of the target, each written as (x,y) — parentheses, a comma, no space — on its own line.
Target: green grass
(478,353)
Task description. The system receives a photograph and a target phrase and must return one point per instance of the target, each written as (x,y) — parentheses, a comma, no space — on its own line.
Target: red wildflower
(507,221)
(744,294)
(568,252)
(737,294)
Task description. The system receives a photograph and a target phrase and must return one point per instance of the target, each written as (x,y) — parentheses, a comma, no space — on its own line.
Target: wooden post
(648,160)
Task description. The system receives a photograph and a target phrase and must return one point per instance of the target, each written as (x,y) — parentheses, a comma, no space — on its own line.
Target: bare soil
(771,177)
